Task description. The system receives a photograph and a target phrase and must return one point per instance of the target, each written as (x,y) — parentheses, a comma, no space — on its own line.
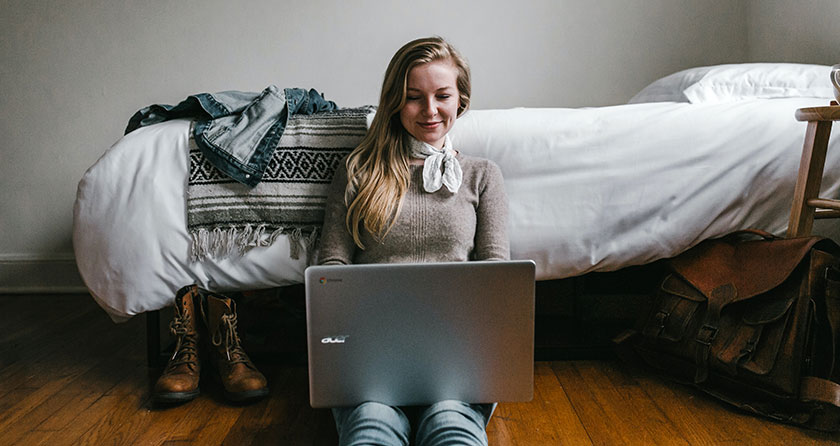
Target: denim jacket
(237,131)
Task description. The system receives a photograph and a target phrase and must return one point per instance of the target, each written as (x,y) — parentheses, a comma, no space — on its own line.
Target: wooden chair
(807,205)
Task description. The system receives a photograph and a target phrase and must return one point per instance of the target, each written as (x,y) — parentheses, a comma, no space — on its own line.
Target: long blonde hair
(378,169)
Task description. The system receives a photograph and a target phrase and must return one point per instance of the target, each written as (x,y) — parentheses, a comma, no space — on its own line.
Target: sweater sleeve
(491,240)
(336,245)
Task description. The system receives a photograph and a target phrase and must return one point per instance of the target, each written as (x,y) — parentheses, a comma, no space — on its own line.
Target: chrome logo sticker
(335,339)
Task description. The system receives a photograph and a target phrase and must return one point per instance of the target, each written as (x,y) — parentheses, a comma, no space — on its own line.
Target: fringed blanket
(227,218)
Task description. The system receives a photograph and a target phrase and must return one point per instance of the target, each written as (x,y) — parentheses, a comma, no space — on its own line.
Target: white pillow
(721,83)
(670,88)
(761,80)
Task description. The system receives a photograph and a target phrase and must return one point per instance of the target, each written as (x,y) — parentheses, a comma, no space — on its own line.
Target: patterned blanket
(227,218)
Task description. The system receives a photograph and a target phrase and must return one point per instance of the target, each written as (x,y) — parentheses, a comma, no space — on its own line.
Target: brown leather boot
(239,376)
(179,381)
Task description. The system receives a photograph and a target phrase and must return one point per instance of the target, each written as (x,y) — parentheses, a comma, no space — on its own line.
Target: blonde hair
(378,169)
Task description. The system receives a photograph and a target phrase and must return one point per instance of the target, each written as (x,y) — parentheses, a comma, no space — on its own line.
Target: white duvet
(589,189)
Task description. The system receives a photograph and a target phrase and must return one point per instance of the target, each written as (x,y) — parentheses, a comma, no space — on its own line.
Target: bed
(695,155)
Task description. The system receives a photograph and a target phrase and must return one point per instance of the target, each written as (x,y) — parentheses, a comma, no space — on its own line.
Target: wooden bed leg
(153,338)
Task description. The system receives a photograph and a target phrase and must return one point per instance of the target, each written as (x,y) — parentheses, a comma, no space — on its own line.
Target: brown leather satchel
(755,323)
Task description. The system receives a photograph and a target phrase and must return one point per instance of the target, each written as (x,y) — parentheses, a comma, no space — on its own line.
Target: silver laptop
(414,334)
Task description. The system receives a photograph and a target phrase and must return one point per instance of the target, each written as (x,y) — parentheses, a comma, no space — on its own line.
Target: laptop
(418,333)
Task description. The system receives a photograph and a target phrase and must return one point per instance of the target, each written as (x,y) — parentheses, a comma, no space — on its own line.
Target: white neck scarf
(440,166)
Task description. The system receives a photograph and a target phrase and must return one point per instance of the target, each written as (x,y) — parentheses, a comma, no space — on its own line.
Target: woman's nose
(429,107)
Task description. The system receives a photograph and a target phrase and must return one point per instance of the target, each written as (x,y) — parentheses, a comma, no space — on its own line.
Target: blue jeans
(237,131)
(445,423)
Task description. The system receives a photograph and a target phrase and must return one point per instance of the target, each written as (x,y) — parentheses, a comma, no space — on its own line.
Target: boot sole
(247,396)
(174,397)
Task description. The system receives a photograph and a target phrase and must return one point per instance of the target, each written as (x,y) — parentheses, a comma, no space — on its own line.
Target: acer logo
(334,339)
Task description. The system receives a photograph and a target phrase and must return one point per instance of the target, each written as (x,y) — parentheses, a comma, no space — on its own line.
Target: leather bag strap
(826,394)
(819,390)
(706,334)
(759,232)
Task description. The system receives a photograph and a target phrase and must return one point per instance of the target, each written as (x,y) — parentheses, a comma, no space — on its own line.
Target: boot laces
(185,346)
(233,348)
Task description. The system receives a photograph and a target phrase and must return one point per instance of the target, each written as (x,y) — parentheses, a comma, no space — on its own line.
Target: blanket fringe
(311,245)
(221,243)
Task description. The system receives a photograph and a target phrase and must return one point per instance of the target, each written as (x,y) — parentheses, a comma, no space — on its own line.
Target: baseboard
(30,273)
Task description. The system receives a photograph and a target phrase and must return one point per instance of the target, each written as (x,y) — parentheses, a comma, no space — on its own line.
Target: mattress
(589,189)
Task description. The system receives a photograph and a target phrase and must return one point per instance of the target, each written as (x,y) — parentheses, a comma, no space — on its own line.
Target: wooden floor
(69,376)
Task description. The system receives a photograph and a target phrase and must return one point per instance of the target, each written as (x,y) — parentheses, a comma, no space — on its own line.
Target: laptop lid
(413,334)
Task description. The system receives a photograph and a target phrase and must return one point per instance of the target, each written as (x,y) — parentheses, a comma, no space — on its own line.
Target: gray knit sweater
(432,227)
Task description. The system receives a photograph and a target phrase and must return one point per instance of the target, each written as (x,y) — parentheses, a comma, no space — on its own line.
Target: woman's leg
(371,424)
(453,423)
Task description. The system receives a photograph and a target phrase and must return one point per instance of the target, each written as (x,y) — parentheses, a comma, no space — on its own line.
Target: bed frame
(576,318)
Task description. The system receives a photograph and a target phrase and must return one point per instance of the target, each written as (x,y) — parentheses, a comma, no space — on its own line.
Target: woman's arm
(491,240)
(336,245)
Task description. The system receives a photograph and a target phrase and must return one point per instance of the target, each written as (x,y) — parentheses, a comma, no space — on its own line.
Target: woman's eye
(443,96)
(412,98)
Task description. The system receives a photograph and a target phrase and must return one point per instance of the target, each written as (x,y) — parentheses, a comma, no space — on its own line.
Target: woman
(405,194)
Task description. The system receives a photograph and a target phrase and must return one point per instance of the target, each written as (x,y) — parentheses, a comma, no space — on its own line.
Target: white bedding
(589,189)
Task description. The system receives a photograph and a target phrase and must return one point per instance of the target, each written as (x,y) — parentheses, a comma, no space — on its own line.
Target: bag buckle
(661,317)
(706,334)
(748,348)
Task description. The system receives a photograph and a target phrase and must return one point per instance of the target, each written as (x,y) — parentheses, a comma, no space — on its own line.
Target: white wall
(794,31)
(73,72)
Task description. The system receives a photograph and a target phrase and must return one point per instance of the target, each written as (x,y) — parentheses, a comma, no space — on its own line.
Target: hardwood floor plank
(84,422)
(80,394)
(548,419)
(704,420)
(34,396)
(40,320)
(54,387)
(697,422)
(207,423)
(295,422)
(629,407)
(90,424)
(21,310)
(33,438)
(594,417)
(255,419)
(50,409)
(41,355)
(171,423)
(719,419)
(17,316)
(8,401)
(122,419)
(30,361)
(498,432)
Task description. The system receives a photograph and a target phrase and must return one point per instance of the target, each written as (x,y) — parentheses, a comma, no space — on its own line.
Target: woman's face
(431,103)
